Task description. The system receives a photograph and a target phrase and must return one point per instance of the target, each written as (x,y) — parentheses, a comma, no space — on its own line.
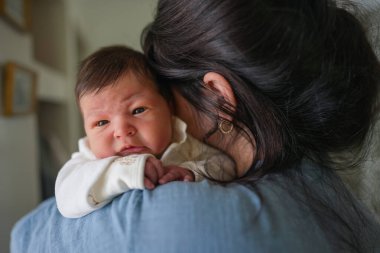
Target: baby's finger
(168,177)
(150,172)
(189,178)
(157,165)
(148,184)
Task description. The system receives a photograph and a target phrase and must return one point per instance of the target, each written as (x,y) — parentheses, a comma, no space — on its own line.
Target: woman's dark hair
(303,73)
(107,65)
(305,79)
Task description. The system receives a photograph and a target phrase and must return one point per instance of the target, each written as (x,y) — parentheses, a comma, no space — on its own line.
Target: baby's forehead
(124,81)
(127,88)
(143,79)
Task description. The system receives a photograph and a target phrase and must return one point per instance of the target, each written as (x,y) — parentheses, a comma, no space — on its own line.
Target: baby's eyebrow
(95,114)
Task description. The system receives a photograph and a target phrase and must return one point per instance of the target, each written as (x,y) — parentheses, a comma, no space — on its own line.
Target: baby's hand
(153,172)
(176,173)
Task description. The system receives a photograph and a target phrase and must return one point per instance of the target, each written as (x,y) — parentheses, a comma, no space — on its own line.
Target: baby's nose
(124,130)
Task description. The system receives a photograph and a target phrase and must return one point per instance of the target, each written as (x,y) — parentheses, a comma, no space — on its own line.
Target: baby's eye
(102,123)
(138,110)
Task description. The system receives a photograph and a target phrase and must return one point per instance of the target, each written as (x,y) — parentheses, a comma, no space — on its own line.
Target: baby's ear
(218,84)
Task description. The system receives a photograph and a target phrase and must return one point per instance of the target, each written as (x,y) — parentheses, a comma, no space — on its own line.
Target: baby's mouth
(132,150)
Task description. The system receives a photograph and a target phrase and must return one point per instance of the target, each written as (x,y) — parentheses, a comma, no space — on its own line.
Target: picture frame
(17,12)
(19,89)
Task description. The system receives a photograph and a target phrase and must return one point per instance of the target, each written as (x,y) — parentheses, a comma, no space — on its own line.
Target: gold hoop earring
(225,126)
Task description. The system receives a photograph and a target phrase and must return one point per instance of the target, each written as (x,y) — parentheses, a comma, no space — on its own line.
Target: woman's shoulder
(178,217)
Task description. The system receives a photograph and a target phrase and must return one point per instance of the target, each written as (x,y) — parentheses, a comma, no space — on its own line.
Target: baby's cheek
(160,148)
(102,152)
(163,143)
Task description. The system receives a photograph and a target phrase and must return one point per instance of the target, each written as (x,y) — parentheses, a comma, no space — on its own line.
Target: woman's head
(302,73)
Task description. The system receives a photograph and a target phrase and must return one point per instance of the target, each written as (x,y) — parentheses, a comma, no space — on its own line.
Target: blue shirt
(184,217)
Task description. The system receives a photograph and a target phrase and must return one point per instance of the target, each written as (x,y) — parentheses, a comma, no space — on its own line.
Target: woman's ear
(218,84)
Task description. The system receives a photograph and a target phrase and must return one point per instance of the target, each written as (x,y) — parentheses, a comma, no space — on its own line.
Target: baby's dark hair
(107,65)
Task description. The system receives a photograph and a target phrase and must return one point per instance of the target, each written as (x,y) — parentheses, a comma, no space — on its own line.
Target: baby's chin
(102,155)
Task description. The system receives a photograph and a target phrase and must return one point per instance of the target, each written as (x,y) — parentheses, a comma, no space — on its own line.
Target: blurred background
(48,38)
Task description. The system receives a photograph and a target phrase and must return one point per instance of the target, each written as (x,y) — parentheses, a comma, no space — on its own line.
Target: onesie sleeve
(124,173)
(84,184)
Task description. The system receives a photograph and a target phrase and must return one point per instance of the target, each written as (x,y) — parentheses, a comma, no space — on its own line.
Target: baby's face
(130,117)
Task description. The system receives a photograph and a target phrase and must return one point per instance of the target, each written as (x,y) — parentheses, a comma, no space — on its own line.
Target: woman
(284,88)
(293,82)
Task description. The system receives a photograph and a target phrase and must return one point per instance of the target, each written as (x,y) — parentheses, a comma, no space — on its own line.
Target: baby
(132,139)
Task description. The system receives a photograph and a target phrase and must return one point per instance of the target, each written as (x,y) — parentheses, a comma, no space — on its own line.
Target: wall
(121,22)
(19,176)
